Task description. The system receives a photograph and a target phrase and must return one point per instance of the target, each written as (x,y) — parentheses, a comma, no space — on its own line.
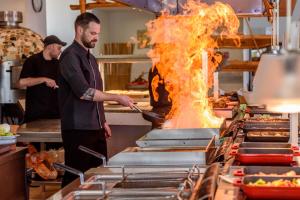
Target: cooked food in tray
(266,119)
(256,187)
(276,183)
(222,102)
(267,134)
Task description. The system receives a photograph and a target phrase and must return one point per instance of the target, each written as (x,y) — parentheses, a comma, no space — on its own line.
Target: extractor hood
(241,7)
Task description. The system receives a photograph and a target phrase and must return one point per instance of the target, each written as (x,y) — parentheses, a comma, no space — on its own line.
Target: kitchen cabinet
(13,184)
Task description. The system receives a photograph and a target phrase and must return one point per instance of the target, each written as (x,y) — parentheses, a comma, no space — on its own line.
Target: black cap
(52,39)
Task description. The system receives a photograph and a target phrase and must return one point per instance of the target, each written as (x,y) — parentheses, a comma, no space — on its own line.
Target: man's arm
(28,76)
(92,94)
(29,82)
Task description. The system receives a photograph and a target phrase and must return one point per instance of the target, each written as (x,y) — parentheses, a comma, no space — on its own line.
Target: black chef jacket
(41,100)
(78,71)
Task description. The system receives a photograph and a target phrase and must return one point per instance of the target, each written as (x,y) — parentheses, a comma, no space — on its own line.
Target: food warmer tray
(264,145)
(271,138)
(284,126)
(227,113)
(264,156)
(178,137)
(164,156)
(254,110)
(267,170)
(268,192)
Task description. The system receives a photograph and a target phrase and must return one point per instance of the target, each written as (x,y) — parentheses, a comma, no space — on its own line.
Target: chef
(38,76)
(81,98)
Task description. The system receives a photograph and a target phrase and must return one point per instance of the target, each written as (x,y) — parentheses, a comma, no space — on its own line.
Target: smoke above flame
(179,42)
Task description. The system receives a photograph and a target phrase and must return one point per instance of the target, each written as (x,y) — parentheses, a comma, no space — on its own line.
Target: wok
(150,116)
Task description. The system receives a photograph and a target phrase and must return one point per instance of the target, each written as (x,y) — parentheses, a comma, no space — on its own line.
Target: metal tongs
(150,116)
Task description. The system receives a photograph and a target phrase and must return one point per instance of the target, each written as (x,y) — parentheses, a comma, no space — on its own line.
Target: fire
(179,42)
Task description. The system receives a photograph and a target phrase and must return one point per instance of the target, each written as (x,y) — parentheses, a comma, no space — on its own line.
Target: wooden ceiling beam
(83,6)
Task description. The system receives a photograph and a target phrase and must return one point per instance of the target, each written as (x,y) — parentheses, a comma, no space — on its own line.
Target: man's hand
(107,130)
(51,83)
(125,101)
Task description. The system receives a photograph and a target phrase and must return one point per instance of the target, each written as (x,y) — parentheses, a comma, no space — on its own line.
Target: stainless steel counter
(47,130)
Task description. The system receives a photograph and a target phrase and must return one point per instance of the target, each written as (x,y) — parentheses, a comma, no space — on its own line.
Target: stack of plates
(4,140)
(7,143)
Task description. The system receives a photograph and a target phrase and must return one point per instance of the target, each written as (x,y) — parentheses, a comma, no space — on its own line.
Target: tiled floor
(37,193)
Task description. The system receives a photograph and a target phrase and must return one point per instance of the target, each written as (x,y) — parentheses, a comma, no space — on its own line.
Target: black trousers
(75,158)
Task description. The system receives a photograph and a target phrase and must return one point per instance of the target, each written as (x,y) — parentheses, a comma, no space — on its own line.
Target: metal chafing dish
(123,194)
(264,145)
(164,155)
(272,130)
(276,124)
(128,185)
(228,112)
(267,136)
(142,181)
(178,137)
(265,171)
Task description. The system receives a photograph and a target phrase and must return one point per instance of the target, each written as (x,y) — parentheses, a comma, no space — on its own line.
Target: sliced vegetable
(277,183)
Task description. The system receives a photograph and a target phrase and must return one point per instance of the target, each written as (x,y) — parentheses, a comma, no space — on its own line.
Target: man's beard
(88,44)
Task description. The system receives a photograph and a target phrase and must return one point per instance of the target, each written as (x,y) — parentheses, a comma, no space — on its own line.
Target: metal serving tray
(179,134)
(127,194)
(267,170)
(163,156)
(265,138)
(261,125)
(264,145)
(172,143)
(227,113)
(178,137)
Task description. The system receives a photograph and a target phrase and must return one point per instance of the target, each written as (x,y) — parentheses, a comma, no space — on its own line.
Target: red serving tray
(264,159)
(269,192)
(237,146)
(281,193)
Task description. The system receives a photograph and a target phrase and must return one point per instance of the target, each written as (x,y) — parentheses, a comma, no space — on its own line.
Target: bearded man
(81,98)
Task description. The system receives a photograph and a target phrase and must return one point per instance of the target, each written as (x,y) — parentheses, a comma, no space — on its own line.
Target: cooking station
(195,164)
(199,141)
(172,164)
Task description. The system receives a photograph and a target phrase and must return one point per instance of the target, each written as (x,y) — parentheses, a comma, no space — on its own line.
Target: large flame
(179,42)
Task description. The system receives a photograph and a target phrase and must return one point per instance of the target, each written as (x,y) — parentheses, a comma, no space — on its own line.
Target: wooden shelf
(247,42)
(124,59)
(240,66)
